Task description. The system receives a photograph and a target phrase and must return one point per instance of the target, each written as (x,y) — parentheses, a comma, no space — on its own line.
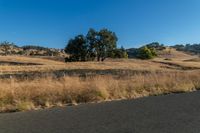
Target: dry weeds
(41,93)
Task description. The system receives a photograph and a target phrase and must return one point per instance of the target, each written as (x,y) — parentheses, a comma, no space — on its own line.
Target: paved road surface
(176,113)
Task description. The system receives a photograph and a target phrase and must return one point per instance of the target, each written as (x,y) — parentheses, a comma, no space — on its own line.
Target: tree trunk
(103,58)
(98,58)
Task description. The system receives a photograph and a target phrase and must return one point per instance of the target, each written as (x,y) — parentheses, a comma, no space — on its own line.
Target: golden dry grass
(174,54)
(26,59)
(54,65)
(177,58)
(39,93)
(131,64)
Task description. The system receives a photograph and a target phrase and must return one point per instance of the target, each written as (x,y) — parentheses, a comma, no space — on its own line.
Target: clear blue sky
(52,22)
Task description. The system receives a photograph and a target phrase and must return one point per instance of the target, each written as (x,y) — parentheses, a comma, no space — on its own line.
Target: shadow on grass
(17,63)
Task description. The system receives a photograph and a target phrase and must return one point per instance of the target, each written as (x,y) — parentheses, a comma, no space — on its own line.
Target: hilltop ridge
(7,48)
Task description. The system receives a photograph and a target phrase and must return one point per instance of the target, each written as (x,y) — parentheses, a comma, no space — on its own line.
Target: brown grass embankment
(47,92)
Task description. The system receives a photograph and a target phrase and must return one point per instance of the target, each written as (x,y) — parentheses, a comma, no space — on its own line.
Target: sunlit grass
(47,92)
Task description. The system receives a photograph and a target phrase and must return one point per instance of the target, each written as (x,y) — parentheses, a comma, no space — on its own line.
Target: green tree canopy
(77,48)
(119,53)
(145,53)
(102,43)
(95,45)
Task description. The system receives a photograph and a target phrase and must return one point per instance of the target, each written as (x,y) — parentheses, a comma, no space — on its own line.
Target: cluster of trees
(156,46)
(97,45)
(147,51)
(48,51)
(192,48)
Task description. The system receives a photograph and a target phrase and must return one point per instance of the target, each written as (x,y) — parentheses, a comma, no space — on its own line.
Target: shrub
(118,53)
(146,53)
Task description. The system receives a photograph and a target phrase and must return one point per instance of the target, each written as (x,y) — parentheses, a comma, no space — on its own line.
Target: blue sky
(52,23)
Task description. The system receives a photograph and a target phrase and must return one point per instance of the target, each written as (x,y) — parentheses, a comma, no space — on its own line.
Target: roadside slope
(178,113)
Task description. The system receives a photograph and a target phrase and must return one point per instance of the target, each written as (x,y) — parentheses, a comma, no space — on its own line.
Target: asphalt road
(176,113)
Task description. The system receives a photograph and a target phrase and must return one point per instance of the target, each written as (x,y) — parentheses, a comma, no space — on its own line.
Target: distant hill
(134,52)
(176,51)
(172,53)
(190,48)
(7,48)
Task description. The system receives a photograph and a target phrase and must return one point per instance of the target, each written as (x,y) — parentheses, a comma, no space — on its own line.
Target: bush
(146,53)
(118,53)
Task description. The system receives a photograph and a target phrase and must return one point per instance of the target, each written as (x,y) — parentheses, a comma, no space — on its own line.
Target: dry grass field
(45,65)
(93,81)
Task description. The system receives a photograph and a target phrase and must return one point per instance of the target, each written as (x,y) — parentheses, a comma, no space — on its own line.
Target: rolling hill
(29,50)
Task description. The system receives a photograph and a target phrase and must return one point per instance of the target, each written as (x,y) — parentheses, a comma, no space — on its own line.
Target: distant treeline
(191,48)
(28,47)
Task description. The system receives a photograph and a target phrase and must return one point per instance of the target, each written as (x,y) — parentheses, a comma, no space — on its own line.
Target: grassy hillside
(7,48)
